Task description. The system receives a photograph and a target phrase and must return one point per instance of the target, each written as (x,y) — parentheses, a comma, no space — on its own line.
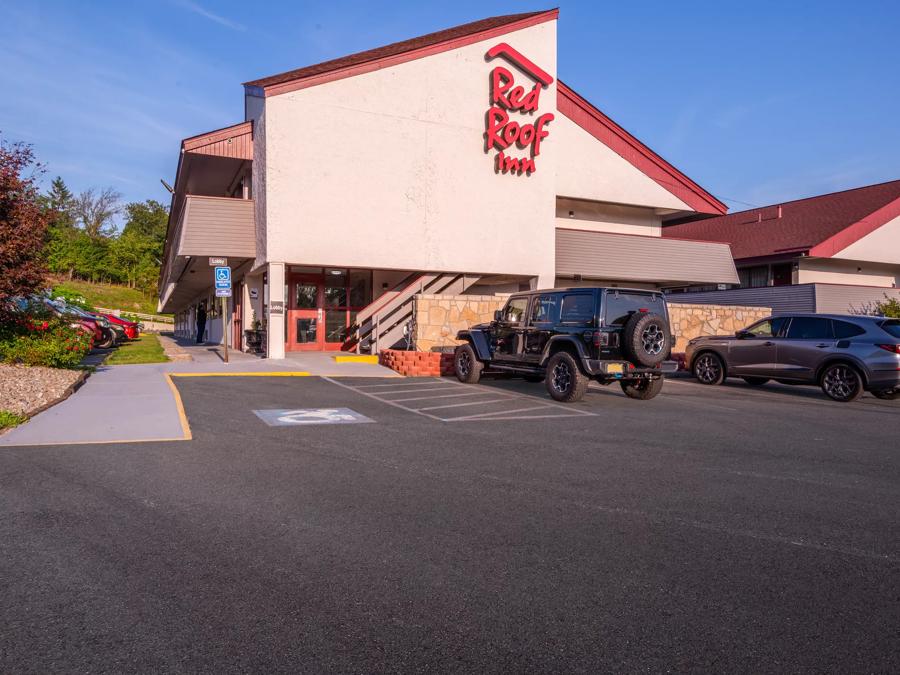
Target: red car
(132,329)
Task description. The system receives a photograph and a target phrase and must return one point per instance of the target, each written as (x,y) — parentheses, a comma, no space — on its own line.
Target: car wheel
(755,381)
(468,367)
(565,382)
(887,394)
(534,378)
(709,368)
(107,339)
(643,389)
(842,382)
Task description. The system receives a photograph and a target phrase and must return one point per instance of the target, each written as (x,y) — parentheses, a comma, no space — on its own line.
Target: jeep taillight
(891,348)
(601,339)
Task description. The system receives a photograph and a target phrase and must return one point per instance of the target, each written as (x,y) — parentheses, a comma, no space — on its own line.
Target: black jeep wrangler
(569,336)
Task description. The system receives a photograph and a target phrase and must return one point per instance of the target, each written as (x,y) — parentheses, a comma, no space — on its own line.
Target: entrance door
(304,315)
(324,306)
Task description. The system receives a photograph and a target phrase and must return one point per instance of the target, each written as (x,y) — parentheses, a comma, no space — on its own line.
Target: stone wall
(439,317)
(690,321)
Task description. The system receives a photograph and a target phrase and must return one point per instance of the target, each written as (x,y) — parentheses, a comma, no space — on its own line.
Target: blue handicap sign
(223,277)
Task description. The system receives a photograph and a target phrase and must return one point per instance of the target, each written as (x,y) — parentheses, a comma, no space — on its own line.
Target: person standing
(201,322)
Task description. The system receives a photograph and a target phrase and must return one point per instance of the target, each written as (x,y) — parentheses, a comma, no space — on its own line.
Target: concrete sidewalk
(139,403)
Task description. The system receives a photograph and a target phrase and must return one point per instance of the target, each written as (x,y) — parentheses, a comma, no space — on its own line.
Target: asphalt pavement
(728,529)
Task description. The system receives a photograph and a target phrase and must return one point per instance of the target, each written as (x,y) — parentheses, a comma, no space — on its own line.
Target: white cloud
(212,16)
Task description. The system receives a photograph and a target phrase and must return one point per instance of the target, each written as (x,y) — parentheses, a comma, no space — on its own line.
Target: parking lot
(480,527)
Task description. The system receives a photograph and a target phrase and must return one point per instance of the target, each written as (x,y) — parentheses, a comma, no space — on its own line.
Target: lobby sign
(509,98)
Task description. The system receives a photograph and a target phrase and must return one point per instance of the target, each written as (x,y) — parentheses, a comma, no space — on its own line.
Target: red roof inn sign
(508,97)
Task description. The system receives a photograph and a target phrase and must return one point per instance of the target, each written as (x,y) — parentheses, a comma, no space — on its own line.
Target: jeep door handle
(822,346)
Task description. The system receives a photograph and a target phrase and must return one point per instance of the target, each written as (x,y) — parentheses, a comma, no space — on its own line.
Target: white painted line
(410,391)
(511,417)
(460,405)
(501,412)
(381,400)
(405,383)
(419,398)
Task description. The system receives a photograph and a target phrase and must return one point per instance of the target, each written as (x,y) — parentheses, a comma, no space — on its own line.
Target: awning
(206,226)
(625,257)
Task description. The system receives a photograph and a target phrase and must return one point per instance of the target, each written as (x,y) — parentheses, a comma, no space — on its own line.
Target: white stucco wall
(832,271)
(880,246)
(600,217)
(388,169)
(588,169)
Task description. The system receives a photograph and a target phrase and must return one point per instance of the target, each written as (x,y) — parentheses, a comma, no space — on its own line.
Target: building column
(275,311)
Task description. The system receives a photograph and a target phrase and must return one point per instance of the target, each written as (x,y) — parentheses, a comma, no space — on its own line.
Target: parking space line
(511,417)
(414,390)
(460,405)
(419,398)
(503,412)
(405,383)
(377,398)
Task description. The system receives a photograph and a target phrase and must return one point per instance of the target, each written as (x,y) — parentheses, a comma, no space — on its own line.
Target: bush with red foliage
(23,224)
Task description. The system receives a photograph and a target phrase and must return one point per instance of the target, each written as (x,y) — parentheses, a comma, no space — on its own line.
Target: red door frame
(318,313)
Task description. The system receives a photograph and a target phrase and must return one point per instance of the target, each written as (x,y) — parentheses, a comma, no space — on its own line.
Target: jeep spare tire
(646,339)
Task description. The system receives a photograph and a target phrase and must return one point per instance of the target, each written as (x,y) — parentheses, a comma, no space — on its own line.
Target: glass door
(304,315)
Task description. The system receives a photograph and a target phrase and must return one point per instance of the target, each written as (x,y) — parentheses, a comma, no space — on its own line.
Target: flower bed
(36,341)
(418,364)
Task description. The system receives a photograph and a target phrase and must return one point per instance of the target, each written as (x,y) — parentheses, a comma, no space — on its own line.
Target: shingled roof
(820,226)
(482,29)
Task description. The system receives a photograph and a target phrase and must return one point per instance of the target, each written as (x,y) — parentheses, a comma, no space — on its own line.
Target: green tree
(59,203)
(888,307)
(94,211)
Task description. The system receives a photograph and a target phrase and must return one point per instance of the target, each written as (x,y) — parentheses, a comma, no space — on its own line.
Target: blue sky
(758,102)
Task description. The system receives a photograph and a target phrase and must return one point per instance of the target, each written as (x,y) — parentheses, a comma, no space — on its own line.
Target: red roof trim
(601,127)
(850,235)
(368,64)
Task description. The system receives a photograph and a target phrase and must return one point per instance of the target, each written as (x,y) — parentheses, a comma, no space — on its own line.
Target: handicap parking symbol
(223,274)
(283,417)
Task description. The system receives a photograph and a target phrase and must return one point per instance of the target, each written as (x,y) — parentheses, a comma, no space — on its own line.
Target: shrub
(10,419)
(888,307)
(36,340)
(71,297)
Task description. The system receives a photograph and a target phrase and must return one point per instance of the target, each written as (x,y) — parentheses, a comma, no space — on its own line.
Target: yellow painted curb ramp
(356,358)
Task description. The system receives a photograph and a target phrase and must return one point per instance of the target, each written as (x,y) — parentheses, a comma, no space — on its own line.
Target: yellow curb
(356,358)
(182,417)
(298,373)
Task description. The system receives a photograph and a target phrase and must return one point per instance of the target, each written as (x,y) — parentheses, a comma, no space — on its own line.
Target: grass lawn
(146,349)
(110,296)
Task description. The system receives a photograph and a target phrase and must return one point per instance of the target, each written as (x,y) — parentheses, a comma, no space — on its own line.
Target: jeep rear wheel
(565,382)
(644,389)
(465,362)
(646,339)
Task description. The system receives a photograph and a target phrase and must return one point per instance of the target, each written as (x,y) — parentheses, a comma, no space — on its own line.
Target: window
(620,305)
(545,309)
(843,329)
(809,328)
(306,296)
(754,277)
(577,309)
(514,311)
(892,326)
(768,328)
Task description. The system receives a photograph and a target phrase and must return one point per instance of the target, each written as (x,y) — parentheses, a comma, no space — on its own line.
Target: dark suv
(570,336)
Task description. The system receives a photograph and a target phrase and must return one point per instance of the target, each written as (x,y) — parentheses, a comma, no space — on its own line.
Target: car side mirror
(743,334)
(498,315)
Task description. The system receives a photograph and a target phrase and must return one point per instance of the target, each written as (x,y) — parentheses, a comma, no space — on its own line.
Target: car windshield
(892,326)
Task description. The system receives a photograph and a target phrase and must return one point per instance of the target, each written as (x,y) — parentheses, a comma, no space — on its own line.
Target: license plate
(614,368)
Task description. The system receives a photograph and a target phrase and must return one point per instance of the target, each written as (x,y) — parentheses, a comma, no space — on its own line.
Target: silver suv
(845,355)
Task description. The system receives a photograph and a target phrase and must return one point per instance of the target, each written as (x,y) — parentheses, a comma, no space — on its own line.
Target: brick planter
(418,364)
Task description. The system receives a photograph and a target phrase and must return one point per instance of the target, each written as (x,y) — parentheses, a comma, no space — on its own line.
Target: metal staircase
(386,322)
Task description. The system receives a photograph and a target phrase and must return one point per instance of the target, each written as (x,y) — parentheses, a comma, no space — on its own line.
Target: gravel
(26,389)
